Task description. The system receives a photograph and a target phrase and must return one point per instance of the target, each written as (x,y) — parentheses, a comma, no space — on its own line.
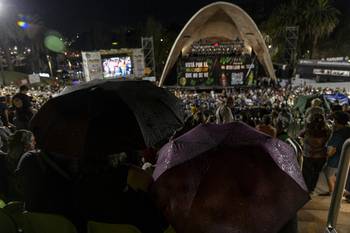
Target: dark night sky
(77,14)
(70,16)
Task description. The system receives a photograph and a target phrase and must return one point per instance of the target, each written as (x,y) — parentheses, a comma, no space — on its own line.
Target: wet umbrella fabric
(107,117)
(228,178)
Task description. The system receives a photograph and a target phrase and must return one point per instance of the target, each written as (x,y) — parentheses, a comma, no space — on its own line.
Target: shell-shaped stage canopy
(225,20)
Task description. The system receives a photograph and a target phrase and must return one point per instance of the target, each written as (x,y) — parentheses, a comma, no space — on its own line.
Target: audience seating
(6,223)
(170,230)
(47,223)
(15,210)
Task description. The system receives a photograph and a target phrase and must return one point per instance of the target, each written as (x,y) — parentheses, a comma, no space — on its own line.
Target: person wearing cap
(341,132)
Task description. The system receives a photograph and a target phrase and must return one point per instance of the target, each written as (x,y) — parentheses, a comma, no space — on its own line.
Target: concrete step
(313,216)
(312,227)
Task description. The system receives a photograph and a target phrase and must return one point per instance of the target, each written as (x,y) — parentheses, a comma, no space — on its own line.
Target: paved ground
(313,217)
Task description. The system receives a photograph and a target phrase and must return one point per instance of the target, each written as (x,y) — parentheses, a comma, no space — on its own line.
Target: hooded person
(224,113)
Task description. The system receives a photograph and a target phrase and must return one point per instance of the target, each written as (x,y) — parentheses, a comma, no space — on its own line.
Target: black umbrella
(104,117)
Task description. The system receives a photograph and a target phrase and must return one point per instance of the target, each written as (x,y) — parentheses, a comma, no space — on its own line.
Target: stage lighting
(22,24)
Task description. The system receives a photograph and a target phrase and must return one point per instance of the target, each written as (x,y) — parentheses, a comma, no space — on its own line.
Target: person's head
(266,120)
(315,123)
(2,99)
(194,109)
(199,117)
(20,142)
(316,102)
(345,107)
(229,101)
(23,89)
(341,119)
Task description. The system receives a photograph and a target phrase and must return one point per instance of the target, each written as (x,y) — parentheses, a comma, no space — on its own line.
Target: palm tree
(285,15)
(322,19)
(315,19)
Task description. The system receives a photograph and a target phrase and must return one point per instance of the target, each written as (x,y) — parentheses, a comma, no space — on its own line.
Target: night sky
(70,16)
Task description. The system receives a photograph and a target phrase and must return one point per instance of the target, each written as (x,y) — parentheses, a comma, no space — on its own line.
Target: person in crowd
(46,182)
(283,122)
(121,193)
(341,132)
(336,106)
(23,108)
(3,177)
(266,126)
(5,134)
(4,114)
(315,108)
(224,112)
(346,108)
(21,142)
(315,137)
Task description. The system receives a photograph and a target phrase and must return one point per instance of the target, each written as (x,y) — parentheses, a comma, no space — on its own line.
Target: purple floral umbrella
(227,179)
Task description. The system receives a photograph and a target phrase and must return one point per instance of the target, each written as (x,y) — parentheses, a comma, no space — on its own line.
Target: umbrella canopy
(303,102)
(228,178)
(341,98)
(104,117)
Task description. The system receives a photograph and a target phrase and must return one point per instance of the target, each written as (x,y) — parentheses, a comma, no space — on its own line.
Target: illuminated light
(15,48)
(161,40)
(216,44)
(115,43)
(270,46)
(29,50)
(45,75)
(54,43)
(22,24)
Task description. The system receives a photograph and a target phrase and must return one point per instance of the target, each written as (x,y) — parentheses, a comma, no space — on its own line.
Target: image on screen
(115,67)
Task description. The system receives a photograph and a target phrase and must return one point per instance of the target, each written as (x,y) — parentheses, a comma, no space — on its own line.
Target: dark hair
(23,88)
(17,145)
(266,119)
(2,98)
(316,125)
(341,117)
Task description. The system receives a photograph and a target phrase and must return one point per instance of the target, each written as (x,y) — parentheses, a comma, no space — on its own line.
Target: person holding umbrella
(103,125)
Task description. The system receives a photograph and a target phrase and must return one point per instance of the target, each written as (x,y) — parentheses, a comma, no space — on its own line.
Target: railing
(339,188)
(298,151)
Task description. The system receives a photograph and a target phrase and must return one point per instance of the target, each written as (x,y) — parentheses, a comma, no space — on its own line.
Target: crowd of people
(320,132)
